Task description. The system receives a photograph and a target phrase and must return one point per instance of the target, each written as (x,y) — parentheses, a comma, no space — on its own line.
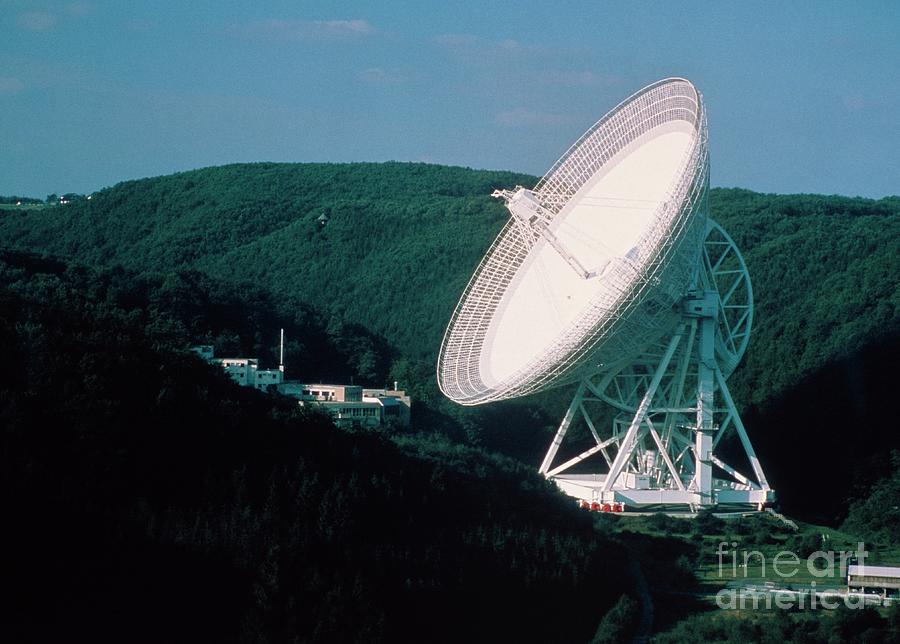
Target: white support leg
(599,447)
(737,475)
(563,428)
(664,453)
(742,433)
(706,370)
(626,447)
(590,424)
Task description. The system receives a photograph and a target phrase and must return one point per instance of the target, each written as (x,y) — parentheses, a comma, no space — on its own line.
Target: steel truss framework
(673,404)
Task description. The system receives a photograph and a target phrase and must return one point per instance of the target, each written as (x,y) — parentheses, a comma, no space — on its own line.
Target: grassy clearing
(749,550)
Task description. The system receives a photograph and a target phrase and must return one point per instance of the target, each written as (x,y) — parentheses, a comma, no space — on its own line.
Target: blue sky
(802,96)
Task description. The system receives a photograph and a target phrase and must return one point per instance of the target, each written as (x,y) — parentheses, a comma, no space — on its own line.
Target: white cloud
(456,40)
(345,26)
(36,21)
(139,25)
(524,117)
(10,85)
(379,75)
(854,102)
(80,8)
(278,29)
(577,79)
(510,45)
(470,44)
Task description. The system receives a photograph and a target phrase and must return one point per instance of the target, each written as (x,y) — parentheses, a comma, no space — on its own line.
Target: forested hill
(824,272)
(149,498)
(401,240)
(143,481)
(399,244)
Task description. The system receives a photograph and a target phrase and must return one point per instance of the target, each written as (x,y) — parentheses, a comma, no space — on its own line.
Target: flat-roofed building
(354,414)
(318,392)
(351,405)
(268,379)
(883,579)
(395,401)
(348,405)
(244,371)
(241,370)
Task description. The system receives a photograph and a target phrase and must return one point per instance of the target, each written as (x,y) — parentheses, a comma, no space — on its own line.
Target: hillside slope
(825,278)
(148,498)
(398,246)
(401,241)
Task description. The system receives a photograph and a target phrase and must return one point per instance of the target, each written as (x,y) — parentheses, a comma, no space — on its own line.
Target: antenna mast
(281,353)
(529,214)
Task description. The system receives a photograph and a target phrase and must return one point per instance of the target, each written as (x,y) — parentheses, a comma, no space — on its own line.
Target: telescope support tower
(654,462)
(674,406)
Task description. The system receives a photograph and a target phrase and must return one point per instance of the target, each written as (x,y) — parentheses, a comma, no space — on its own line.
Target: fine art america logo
(830,568)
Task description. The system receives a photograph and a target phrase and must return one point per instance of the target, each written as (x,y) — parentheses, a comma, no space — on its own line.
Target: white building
(351,405)
(244,371)
(396,403)
(321,392)
(241,370)
(348,405)
(885,580)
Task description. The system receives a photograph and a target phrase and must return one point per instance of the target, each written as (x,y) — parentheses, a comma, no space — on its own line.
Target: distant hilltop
(51,200)
(390,246)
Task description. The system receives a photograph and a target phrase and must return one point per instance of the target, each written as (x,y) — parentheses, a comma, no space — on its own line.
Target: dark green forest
(149,498)
(400,242)
(121,445)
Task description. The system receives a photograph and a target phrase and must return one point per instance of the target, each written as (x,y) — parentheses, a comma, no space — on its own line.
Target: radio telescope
(610,275)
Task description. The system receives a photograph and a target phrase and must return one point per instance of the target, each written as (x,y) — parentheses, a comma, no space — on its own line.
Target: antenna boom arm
(525,207)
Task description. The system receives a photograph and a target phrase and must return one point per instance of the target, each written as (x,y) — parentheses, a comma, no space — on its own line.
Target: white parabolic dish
(628,202)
